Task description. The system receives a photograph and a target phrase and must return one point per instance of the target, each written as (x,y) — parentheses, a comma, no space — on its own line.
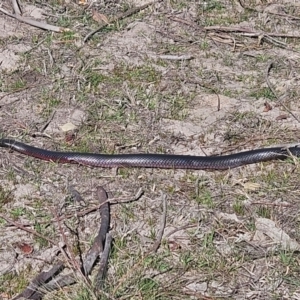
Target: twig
(17,91)
(36,46)
(34,23)
(137,196)
(192,24)
(244,31)
(219,102)
(22,227)
(175,57)
(120,17)
(249,32)
(275,42)
(283,15)
(270,66)
(268,12)
(72,258)
(162,224)
(48,122)
(45,282)
(187,226)
(92,209)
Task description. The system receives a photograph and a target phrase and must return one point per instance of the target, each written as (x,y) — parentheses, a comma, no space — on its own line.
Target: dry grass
(124,98)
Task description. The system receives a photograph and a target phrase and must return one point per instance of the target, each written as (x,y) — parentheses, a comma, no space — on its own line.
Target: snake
(148,160)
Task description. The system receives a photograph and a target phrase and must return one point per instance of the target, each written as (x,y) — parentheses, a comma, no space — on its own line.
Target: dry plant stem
(47,122)
(176,57)
(162,224)
(89,210)
(17,91)
(111,201)
(248,32)
(34,23)
(187,226)
(22,227)
(270,66)
(268,12)
(72,259)
(39,286)
(189,23)
(120,17)
(241,30)
(98,244)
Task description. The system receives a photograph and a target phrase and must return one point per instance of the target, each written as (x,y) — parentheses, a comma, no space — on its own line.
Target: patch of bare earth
(170,78)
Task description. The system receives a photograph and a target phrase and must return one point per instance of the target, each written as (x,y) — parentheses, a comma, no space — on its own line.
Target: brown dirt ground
(121,94)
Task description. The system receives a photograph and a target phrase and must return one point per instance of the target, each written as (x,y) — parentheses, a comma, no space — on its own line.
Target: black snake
(147,160)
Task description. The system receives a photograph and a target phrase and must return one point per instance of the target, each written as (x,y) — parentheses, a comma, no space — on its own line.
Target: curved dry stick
(45,282)
(35,23)
(32,291)
(99,279)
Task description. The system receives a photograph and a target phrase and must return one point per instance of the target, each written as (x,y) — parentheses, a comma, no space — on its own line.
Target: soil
(169,78)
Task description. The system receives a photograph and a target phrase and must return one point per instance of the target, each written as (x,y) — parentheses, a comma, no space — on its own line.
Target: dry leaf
(23,248)
(100,18)
(282,117)
(229,217)
(70,136)
(267,107)
(5,296)
(67,127)
(82,2)
(269,228)
(251,186)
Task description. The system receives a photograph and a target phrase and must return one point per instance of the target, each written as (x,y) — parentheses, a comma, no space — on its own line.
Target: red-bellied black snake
(147,160)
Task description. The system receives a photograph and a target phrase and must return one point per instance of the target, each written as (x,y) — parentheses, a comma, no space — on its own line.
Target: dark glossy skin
(163,161)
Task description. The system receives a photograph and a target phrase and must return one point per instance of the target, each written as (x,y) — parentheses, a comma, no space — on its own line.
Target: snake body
(147,160)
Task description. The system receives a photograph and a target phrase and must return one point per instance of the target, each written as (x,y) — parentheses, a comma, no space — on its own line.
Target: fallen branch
(32,291)
(22,227)
(85,212)
(268,12)
(46,282)
(173,57)
(249,32)
(34,23)
(99,279)
(244,31)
